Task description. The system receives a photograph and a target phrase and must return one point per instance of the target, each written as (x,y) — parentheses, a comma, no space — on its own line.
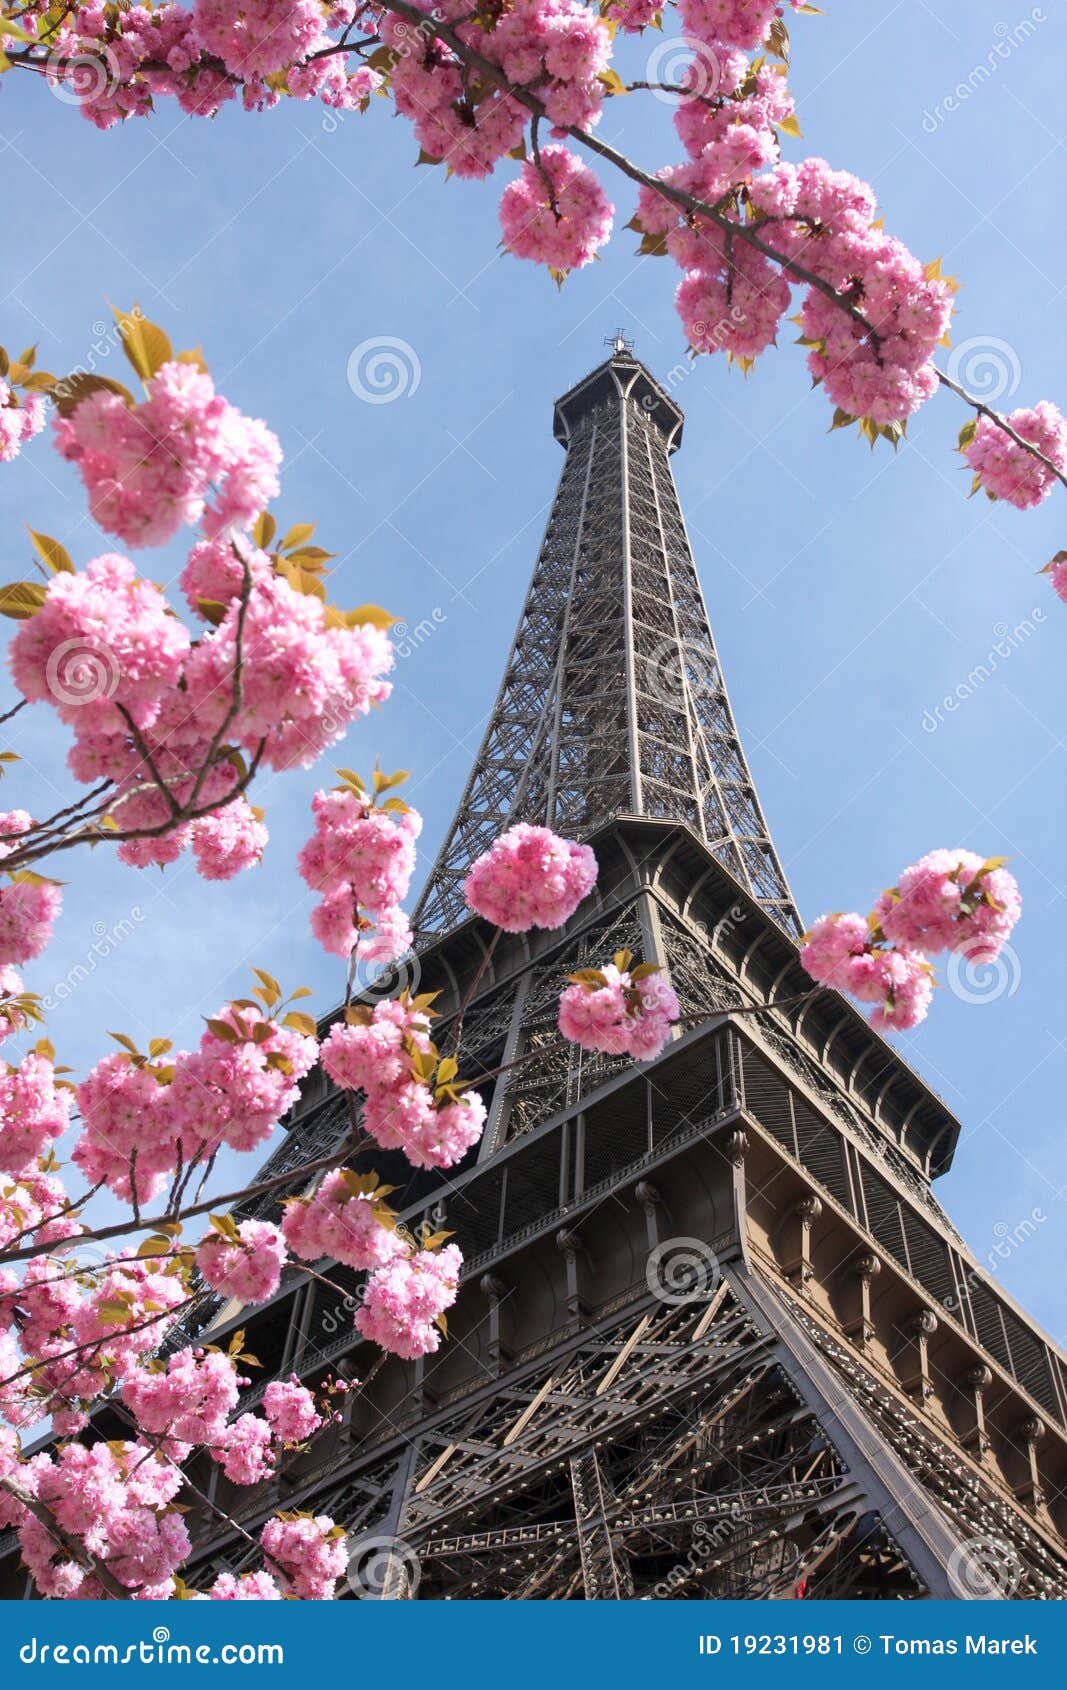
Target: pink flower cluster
(105,652)
(141,1119)
(947,901)
(304,679)
(1008,471)
(556,213)
(952,901)
(149,706)
(12,1018)
(290,1410)
(116,1499)
(557,48)
(35,1204)
(245,1450)
(377,1055)
(28,910)
(619,1012)
(345,1220)
(187,1401)
(248,1587)
(733,295)
(309,1554)
(403,1302)
(149,468)
(530,877)
(232,839)
(201,57)
(839,951)
(20,419)
(33,1112)
(248,1268)
(360,858)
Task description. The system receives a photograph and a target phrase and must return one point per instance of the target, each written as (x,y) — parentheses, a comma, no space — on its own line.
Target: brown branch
(155,1223)
(77,1551)
(1001,422)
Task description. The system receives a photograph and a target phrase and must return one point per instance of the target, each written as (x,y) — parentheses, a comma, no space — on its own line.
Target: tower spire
(613,700)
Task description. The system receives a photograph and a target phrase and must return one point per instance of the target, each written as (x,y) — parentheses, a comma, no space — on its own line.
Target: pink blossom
(310,1555)
(21,417)
(232,839)
(561,225)
(149,468)
(33,1111)
(344,1220)
(189,1400)
(1007,470)
(304,682)
(618,1014)
(101,640)
(128,1121)
(530,877)
(248,1587)
(404,1301)
(235,1088)
(249,1270)
(951,901)
(290,1410)
(28,909)
(244,1450)
(360,858)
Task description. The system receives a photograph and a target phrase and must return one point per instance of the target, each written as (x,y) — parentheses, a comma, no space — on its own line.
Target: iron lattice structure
(715,1335)
(613,700)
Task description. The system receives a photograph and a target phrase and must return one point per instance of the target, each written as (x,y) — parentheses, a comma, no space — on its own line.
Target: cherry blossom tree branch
(690,203)
(77,1551)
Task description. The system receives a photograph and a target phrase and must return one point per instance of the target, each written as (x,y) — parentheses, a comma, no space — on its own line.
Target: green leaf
(612,81)
(296,536)
(222,1030)
(22,599)
(126,1043)
(69,391)
(372,613)
(145,344)
(299,1023)
(263,530)
(271,990)
(51,552)
(790,126)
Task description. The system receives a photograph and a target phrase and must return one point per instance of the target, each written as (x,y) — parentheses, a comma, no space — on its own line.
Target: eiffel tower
(715,1336)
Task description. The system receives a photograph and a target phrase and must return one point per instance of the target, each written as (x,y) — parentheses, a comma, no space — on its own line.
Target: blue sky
(851,593)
